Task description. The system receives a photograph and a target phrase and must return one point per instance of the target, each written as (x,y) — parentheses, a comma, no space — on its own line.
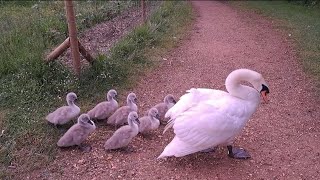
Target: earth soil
(282,136)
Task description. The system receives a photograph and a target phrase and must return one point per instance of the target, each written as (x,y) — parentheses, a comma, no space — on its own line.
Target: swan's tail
(177,148)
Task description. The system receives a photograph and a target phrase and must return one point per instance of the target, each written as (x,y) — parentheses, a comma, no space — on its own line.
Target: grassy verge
(31,88)
(301,22)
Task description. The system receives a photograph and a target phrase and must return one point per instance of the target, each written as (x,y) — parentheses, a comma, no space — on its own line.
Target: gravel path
(283,136)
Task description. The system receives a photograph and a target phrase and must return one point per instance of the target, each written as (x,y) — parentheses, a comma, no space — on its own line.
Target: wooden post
(85,54)
(143,5)
(59,50)
(72,40)
(73,36)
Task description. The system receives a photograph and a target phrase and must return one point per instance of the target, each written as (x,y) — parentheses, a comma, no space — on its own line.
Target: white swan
(206,118)
(64,114)
(104,109)
(78,133)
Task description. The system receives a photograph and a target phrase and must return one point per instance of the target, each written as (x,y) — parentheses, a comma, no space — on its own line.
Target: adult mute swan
(205,118)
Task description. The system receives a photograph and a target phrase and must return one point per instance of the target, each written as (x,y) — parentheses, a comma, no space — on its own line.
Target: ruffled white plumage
(204,118)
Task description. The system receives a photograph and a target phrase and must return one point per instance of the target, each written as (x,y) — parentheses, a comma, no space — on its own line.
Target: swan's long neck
(131,104)
(70,103)
(154,119)
(150,114)
(109,97)
(166,101)
(132,124)
(155,123)
(233,83)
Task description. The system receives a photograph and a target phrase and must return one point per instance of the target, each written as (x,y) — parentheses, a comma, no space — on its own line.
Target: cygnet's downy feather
(119,117)
(149,122)
(124,135)
(105,109)
(164,106)
(64,114)
(78,132)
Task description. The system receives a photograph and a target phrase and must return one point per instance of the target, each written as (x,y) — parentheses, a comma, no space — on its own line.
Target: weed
(31,88)
(302,22)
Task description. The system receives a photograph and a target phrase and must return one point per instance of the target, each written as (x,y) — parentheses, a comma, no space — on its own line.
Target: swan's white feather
(204,125)
(193,97)
(204,118)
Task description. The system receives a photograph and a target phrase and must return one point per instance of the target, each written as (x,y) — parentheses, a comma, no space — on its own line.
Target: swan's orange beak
(264,96)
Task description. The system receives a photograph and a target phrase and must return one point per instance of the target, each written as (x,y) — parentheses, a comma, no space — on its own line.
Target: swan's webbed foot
(238,153)
(128,149)
(57,126)
(85,148)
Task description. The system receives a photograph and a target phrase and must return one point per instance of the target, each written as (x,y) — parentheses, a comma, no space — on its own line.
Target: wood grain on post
(85,53)
(59,50)
(73,36)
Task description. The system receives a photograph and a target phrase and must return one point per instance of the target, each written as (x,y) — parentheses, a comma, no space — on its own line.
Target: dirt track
(283,136)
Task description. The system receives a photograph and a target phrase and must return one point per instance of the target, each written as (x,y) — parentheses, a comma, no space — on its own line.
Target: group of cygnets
(108,111)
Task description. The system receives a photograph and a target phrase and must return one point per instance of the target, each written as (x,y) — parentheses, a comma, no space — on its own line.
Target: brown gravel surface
(283,136)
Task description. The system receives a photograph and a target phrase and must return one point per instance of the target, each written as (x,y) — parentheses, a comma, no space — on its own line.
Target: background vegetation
(301,19)
(31,88)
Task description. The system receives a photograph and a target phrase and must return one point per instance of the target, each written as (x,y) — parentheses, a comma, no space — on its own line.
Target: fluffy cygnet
(149,122)
(78,133)
(105,109)
(64,114)
(120,116)
(123,136)
(163,107)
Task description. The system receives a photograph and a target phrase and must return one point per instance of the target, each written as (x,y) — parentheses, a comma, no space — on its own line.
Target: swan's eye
(265,88)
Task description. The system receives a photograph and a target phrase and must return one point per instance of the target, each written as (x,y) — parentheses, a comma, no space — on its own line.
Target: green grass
(302,22)
(31,88)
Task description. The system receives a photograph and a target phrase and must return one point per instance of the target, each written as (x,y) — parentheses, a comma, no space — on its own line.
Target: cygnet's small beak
(158,116)
(135,100)
(137,120)
(174,101)
(264,96)
(90,122)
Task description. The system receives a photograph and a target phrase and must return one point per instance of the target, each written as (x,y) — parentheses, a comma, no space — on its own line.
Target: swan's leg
(237,153)
(57,126)
(127,149)
(85,148)
(213,149)
(146,135)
